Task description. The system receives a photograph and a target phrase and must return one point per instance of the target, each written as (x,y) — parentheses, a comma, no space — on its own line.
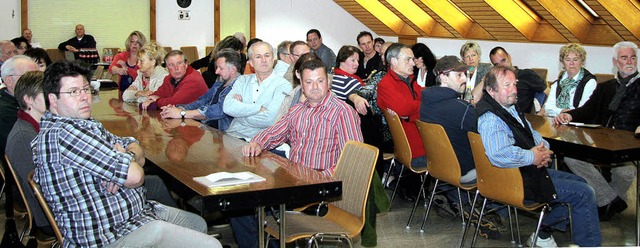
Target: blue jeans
(574,190)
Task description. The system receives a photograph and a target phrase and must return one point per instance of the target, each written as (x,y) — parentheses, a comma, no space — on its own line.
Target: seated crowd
(304,102)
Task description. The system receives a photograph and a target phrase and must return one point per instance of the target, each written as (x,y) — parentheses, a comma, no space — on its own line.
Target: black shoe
(487,228)
(617,205)
(407,195)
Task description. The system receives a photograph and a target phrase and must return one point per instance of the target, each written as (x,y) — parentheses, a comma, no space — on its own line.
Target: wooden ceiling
(549,21)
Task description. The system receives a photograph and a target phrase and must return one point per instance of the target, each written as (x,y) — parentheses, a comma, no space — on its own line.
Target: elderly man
(27,34)
(313,144)
(183,84)
(296,49)
(314,38)
(371,60)
(80,41)
(284,58)
(511,142)
(615,104)
(12,69)
(254,100)
(529,82)
(8,50)
(399,93)
(92,178)
(208,107)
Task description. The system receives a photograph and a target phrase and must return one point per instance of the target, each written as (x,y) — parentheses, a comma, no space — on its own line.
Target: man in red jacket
(399,93)
(183,84)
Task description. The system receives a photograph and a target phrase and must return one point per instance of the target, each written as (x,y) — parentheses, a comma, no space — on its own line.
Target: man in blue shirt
(208,107)
(510,142)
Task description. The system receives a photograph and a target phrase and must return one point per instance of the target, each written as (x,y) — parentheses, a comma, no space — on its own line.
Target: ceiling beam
(386,16)
(621,15)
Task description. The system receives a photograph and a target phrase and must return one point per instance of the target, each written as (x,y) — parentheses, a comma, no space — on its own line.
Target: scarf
(27,117)
(566,86)
(342,72)
(623,83)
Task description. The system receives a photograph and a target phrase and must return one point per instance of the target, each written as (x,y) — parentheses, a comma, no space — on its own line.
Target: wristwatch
(183,113)
(133,154)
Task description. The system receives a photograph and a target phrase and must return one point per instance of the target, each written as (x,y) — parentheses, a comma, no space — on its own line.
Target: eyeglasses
(76,92)
(296,55)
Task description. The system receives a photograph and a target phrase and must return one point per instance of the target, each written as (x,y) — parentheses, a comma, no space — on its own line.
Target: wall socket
(184,14)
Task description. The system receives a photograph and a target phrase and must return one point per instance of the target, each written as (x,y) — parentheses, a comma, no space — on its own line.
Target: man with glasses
(183,85)
(297,49)
(12,69)
(7,50)
(93,178)
(314,38)
(284,59)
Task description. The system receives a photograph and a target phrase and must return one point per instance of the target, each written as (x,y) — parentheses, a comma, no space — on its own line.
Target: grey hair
(624,44)
(393,51)
(250,49)
(9,66)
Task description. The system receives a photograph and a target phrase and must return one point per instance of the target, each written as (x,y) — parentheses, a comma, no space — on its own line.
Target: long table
(596,145)
(188,149)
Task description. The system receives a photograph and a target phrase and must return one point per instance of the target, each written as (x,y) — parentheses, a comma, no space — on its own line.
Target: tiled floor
(441,232)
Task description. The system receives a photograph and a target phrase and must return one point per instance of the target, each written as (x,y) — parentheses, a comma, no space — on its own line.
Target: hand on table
(251,149)
(562,118)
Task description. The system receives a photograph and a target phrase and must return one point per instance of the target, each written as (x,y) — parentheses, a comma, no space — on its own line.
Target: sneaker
(488,229)
(548,242)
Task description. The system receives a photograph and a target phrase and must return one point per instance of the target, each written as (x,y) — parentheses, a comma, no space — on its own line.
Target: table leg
(261,226)
(283,238)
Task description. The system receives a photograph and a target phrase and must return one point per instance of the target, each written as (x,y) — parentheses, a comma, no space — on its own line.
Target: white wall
(10,19)
(176,33)
(290,20)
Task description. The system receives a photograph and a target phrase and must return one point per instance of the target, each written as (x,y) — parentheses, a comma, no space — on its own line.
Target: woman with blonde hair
(470,53)
(125,63)
(575,84)
(151,73)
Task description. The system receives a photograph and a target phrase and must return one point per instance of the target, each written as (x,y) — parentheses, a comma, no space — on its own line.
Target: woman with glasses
(150,73)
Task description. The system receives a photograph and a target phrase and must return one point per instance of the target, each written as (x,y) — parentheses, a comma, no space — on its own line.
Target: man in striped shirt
(316,129)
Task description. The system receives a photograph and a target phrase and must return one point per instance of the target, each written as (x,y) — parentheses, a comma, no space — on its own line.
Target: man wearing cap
(442,105)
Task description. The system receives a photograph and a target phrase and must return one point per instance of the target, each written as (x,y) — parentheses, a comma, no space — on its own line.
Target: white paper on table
(220,179)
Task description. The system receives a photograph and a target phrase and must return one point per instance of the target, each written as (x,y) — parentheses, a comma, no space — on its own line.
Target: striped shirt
(73,157)
(499,142)
(316,134)
(343,86)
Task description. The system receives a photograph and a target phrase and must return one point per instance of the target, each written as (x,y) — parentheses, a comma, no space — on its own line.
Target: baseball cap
(449,63)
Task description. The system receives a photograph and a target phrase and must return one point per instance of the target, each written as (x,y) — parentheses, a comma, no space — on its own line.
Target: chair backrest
(21,191)
(355,169)
(45,208)
(601,78)
(401,148)
(542,72)
(442,161)
(55,54)
(501,184)
(208,49)
(97,74)
(167,49)
(191,52)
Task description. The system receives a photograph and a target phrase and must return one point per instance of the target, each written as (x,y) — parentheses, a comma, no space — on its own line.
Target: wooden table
(596,145)
(188,149)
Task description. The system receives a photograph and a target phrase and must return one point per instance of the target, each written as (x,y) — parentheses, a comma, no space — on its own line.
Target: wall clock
(184,3)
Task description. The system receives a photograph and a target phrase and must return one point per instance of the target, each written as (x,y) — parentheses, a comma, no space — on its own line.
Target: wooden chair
(207,51)
(402,153)
(443,163)
(167,49)
(502,185)
(28,224)
(45,209)
(542,72)
(191,52)
(345,218)
(55,54)
(601,78)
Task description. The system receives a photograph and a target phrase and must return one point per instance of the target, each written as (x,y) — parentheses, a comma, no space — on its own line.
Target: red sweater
(124,56)
(396,95)
(188,90)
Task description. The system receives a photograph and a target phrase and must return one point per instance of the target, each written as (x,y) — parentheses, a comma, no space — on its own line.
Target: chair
(601,78)
(207,51)
(191,52)
(55,54)
(28,225)
(45,208)
(345,218)
(97,74)
(402,153)
(167,49)
(542,72)
(443,163)
(503,185)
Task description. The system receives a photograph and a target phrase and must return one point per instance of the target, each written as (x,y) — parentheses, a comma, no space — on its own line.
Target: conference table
(598,145)
(187,149)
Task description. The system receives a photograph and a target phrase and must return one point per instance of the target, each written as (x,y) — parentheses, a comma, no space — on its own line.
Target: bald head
(14,68)
(8,50)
